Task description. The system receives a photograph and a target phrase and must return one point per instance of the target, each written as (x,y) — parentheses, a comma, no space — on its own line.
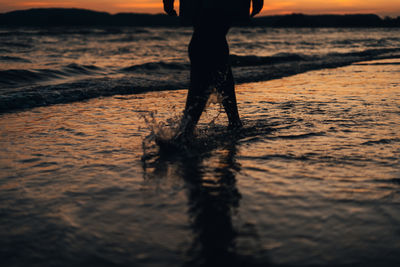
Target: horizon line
(162,13)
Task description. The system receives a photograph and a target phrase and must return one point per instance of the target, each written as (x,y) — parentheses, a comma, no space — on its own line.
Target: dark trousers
(209,58)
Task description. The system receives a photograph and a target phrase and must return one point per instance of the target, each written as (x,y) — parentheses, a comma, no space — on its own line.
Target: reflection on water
(213,198)
(312,179)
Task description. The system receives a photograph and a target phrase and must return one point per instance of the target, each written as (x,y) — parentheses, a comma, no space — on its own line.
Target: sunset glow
(381,7)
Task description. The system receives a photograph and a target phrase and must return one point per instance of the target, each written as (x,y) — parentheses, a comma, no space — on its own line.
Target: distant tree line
(301,20)
(49,17)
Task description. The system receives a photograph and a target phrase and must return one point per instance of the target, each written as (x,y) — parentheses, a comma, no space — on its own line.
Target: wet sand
(313,179)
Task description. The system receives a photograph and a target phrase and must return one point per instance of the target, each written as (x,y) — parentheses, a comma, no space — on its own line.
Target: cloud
(43,4)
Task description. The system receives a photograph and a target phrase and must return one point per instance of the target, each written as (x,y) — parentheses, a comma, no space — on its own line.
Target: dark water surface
(40,67)
(313,179)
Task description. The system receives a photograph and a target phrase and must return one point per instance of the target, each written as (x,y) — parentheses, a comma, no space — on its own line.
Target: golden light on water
(319,151)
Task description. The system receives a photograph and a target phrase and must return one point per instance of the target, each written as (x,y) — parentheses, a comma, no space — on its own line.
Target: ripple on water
(305,182)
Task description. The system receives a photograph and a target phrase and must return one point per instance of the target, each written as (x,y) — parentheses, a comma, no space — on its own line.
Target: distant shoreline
(55,17)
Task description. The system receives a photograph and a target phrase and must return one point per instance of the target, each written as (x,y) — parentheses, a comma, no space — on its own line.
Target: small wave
(278,156)
(395,181)
(235,60)
(14,77)
(16,44)
(21,76)
(158,76)
(378,64)
(125,39)
(330,58)
(157,66)
(74,69)
(366,54)
(299,136)
(3,50)
(256,60)
(388,181)
(14,59)
(381,141)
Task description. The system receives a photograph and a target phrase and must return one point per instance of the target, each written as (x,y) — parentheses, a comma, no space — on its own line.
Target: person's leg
(196,101)
(227,90)
(227,87)
(199,89)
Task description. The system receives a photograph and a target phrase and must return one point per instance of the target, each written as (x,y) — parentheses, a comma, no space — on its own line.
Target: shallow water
(312,179)
(40,67)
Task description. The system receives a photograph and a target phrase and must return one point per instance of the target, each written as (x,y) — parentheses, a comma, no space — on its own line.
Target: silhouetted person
(209,54)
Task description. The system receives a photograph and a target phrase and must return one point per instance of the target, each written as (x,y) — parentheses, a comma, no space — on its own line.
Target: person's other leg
(199,89)
(227,87)
(196,101)
(227,90)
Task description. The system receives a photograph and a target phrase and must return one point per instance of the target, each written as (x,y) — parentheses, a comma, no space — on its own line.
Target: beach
(313,178)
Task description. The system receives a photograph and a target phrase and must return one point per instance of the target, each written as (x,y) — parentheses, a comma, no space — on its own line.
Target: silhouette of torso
(234,10)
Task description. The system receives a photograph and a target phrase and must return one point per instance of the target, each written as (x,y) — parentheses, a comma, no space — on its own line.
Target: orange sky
(381,7)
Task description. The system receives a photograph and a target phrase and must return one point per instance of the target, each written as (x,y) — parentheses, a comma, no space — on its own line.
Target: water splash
(163,138)
(159,131)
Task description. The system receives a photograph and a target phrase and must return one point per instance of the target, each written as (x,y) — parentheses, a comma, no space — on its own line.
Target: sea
(40,67)
(312,178)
